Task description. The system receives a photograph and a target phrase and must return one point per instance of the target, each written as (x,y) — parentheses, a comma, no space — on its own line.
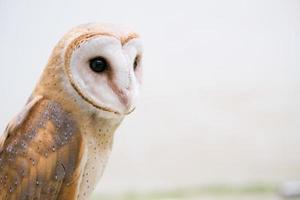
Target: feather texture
(40,156)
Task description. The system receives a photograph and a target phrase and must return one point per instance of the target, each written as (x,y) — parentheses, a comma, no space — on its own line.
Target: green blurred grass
(255,192)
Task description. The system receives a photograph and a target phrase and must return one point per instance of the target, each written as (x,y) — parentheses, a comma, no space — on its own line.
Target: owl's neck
(99,134)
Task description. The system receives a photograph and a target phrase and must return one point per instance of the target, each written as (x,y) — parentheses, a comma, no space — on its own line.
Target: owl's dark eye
(136,62)
(98,64)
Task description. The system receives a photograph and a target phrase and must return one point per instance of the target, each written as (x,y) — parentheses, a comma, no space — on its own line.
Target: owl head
(102,65)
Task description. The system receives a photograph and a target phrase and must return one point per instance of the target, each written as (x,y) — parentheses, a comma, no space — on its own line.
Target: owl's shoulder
(42,116)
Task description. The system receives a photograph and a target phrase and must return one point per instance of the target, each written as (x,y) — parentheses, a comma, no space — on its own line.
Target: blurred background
(219,116)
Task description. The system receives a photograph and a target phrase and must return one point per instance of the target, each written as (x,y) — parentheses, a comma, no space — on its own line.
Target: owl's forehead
(86,31)
(80,35)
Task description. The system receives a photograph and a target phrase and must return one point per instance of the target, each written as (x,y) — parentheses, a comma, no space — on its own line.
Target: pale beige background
(221,100)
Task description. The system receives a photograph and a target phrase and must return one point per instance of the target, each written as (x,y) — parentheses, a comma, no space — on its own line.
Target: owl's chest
(97,151)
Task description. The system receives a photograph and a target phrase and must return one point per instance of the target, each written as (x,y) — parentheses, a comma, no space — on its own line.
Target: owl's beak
(125,88)
(127,100)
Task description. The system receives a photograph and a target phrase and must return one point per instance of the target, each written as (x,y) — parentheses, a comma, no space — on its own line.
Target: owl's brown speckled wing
(40,154)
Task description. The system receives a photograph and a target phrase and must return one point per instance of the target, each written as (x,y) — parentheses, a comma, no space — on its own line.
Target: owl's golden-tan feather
(40,154)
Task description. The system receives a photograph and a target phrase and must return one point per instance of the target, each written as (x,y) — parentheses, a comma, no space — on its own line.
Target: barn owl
(58,146)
